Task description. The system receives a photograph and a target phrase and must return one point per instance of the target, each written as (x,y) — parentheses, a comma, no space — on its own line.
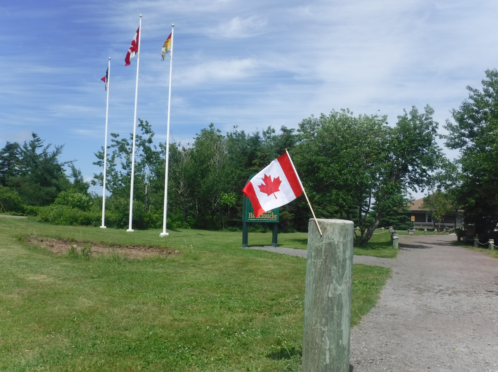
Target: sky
(250,64)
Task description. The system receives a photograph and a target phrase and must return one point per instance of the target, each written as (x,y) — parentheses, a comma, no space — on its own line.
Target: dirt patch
(61,246)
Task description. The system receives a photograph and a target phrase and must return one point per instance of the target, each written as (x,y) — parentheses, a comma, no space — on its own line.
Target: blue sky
(251,64)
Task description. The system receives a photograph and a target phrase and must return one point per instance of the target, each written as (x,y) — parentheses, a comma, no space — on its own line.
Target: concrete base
(129,230)
(163,234)
(103,227)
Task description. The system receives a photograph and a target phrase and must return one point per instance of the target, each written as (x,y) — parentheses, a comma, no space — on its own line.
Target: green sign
(248,212)
(267,217)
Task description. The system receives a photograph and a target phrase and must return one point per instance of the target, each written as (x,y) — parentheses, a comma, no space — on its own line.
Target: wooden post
(476,242)
(491,244)
(274,240)
(327,304)
(245,234)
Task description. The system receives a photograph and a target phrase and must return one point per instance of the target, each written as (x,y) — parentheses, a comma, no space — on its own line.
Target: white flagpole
(164,233)
(134,129)
(299,179)
(108,84)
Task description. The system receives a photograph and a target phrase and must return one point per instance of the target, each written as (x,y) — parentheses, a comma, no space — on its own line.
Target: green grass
(379,245)
(492,253)
(214,307)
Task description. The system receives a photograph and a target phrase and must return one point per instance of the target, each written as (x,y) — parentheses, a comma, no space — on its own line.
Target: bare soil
(61,246)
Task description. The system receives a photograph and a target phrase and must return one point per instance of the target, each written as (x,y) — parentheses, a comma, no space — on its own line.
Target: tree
(9,162)
(39,174)
(474,131)
(9,200)
(149,167)
(359,167)
(438,204)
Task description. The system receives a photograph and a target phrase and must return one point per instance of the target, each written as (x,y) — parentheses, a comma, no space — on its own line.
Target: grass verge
(380,245)
(492,253)
(213,307)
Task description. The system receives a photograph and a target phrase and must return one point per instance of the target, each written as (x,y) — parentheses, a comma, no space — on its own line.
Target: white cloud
(216,71)
(239,27)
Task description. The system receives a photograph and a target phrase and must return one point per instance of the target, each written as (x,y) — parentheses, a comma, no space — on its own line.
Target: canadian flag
(135,44)
(276,185)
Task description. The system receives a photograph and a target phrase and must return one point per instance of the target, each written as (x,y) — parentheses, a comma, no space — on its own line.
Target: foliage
(9,162)
(74,199)
(438,204)
(395,212)
(359,168)
(205,176)
(34,170)
(474,131)
(10,200)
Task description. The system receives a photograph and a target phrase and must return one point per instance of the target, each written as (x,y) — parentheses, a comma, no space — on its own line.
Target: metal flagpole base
(103,227)
(129,230)
(163,234)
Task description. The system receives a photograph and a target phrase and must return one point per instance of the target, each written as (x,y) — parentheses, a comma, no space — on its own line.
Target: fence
(490,243)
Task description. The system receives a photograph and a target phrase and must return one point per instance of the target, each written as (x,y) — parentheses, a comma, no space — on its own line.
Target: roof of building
(416,205)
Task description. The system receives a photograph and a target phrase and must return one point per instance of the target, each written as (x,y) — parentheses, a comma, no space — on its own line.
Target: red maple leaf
(270,187)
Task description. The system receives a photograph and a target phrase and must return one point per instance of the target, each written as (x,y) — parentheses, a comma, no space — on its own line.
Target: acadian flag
(105,79)
(133,48)
(166,47)
(276,185)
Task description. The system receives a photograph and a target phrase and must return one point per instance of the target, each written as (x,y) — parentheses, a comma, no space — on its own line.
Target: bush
(65,215)
(10,200)
(117,214)
(74,199)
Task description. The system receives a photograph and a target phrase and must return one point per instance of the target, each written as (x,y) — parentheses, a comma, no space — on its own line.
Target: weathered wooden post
(327,305)
(491,244)
(395,241)
(476,242)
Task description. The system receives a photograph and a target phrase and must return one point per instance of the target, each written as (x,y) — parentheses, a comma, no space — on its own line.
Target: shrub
(74,199)
(117,214)
(10,200)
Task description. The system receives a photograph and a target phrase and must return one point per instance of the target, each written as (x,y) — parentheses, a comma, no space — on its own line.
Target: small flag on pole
(166,47)
(276,185)
(105,79)
(133,48)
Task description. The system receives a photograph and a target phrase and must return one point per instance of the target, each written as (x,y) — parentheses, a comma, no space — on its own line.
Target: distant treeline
(353,167)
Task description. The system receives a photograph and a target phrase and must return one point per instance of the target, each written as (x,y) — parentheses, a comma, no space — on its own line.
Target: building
(424,219)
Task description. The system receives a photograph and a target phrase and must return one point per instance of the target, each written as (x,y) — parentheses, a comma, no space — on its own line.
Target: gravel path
(438,311)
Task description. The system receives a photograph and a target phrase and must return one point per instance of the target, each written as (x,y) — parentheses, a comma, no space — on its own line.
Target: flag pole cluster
(276,185)
(133,51)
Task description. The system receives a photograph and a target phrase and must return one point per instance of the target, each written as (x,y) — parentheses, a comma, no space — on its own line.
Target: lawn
(379,245)
(211,307)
